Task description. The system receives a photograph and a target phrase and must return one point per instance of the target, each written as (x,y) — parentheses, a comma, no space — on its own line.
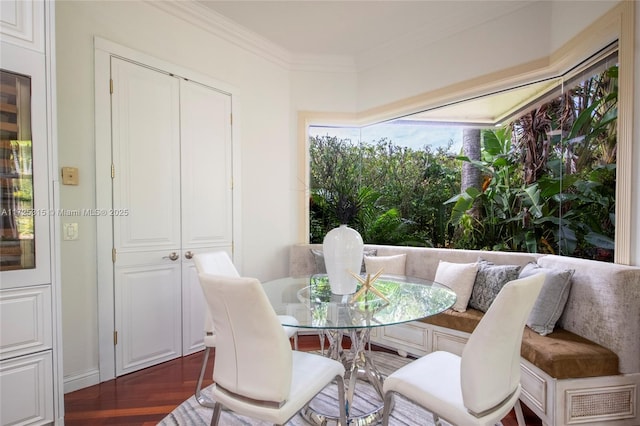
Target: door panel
(148,319)
(146,220)
(206,194)
(146,152)
(206,166)
(193,309)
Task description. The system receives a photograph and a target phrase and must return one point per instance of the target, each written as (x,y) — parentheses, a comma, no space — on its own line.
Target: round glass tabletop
(400,299)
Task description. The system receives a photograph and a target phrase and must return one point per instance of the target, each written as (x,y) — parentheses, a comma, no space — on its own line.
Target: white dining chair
(483,385)
(219,263)
(256,372)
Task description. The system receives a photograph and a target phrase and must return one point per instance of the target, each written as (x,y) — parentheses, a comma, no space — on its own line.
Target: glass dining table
(398,299)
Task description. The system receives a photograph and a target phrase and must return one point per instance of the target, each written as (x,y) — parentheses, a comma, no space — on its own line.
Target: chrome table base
(359,367)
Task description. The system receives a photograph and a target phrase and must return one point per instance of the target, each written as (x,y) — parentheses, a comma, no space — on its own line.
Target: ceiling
(368,30)
(353,28)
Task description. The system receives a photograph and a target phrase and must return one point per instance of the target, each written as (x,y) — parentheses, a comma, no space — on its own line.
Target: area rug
(405,413)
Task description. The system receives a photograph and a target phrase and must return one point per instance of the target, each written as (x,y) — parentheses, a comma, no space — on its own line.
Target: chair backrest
(490,365)
(253,353)
(216,263)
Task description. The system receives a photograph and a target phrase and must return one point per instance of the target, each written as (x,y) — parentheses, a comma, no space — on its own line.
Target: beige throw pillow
(460,278)
(390,265)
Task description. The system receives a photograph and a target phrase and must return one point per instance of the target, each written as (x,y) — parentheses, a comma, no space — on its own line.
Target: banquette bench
(586,372)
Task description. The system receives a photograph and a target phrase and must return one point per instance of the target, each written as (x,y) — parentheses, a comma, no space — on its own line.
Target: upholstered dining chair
(483,385)
(256,372)
(219,263)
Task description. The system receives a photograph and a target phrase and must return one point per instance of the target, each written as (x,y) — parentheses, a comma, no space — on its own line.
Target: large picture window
(530,168)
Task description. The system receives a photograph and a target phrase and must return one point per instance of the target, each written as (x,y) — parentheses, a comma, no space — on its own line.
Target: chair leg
(341,401)
(386,410)
(436,420)
(295,342)
(519,414)
(201,399)
(216,414)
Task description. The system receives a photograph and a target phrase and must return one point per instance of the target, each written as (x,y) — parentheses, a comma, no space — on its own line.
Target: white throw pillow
(460,278)
(390,265)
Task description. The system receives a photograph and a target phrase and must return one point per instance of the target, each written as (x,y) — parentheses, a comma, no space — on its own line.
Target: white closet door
(206,194)
(146,215)
(206,166)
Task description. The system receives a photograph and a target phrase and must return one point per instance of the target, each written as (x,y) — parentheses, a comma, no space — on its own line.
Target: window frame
(617,24)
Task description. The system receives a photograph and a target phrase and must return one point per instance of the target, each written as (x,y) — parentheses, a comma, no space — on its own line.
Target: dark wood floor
(145,397)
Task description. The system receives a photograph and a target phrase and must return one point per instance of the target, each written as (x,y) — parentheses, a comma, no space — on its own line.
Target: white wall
(265,122)
(270,99)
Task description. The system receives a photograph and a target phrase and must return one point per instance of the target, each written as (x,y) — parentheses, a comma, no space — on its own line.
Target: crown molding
(222,27)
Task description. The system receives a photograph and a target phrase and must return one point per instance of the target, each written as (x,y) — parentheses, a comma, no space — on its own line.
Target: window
(538,175)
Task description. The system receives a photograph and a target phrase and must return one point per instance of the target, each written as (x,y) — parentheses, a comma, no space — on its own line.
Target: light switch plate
(69,175)
(69,231)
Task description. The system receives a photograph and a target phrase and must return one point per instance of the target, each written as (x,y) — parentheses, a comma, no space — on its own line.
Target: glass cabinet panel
(17,212)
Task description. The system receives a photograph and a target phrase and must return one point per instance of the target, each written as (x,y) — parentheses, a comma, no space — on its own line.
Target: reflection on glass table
(310,301)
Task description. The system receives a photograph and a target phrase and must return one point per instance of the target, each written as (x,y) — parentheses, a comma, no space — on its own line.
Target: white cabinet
(27,315)
(27,391)
(31,390)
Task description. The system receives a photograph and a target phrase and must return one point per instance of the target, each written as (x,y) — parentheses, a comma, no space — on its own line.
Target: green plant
(394,195)
(549,178)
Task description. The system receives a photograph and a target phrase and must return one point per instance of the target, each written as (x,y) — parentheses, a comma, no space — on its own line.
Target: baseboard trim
(82,380)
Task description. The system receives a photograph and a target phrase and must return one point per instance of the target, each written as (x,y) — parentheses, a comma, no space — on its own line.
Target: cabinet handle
(172,256)
(188,255)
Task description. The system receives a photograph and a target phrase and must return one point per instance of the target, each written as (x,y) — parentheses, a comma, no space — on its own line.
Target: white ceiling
(328,27)
(367,30)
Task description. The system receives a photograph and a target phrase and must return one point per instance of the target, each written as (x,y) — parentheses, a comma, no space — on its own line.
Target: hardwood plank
(145,397)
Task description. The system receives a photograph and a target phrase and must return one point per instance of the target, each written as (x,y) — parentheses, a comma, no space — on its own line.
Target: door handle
(172,256)
(188,255)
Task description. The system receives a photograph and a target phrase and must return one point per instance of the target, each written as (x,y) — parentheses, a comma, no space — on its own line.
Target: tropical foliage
(390,194)
(549,178)
(548,183)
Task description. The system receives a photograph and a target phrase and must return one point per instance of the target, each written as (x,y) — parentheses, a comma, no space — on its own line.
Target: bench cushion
(564,355)
(462,321)
(561,354)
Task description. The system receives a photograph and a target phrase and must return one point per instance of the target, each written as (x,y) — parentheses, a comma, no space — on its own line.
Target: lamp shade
(342,248)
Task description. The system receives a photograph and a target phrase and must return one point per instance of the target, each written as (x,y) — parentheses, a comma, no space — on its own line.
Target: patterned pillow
(552,298)
(489,281)
(318,257)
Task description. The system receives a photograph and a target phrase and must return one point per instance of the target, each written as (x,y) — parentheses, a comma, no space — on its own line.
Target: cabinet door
(22,23)
(25,214)
(26,386)
(25,317)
